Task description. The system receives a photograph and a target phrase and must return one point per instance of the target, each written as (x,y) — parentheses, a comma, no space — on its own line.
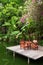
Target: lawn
(6,58)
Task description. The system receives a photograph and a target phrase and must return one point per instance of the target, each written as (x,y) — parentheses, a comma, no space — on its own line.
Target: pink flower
(23,18)
(33,1)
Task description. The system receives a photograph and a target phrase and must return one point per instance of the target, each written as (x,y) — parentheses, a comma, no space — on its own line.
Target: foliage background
(12,29)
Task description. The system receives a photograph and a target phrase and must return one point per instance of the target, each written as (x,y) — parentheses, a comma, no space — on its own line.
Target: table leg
(13,54)
(7,51)
(28,60)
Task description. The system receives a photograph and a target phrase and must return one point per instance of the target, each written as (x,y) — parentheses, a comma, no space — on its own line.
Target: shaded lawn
(6,58)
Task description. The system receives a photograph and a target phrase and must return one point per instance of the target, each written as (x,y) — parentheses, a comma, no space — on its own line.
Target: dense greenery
(10,13)
(21,20)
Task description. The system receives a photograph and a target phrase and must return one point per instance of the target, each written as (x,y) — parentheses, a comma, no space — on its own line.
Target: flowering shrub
(21,21)
(23,18)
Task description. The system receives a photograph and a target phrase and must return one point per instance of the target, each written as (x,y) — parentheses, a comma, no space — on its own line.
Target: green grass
(6,58)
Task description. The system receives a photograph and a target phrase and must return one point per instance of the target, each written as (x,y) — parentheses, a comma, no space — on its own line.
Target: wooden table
(34,54)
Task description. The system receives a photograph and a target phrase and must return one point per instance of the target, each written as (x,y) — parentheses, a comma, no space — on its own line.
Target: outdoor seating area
(34,54)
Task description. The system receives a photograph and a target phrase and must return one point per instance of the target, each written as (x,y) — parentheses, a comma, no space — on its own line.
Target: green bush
(10,13)
(41,42)
(21,20)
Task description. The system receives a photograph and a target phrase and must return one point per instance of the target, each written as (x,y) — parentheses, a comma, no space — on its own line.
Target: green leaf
(24,26)
(18,34)
(14,33)
(5,37)
(6,24)
(0,14)
(13,20)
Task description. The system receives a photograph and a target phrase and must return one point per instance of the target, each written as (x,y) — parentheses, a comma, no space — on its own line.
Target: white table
(34,54)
